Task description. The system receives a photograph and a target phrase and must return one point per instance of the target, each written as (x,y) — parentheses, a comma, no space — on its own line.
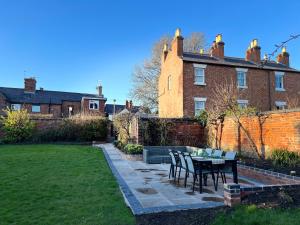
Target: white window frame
(169,82)
(15,107)
(94,102)
(199,99)
(36,108)
(201,66)
(243,103)
(281,104)
(282,81)
(244,71)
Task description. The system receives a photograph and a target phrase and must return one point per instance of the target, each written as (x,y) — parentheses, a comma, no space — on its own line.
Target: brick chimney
(165,52)
(99,89)
(284,57)
(217,48)
(253,52)
(177,43)
(30,85)
(128,105)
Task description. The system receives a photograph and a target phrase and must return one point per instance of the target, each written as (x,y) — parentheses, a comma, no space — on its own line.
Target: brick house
(55,103)
(187,79)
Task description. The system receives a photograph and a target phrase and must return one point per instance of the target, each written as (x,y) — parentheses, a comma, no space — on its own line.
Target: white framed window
(15,107)
(241,77)
(94,104)
(280,105)
(36,108)
(199,105)
(199,71)
(169,82)
(279,81)
(242,103)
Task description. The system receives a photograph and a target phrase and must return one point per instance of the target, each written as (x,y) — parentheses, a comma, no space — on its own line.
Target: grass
(251,215)
(58,184)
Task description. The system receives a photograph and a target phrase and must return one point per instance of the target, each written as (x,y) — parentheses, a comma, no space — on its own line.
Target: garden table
(220,162)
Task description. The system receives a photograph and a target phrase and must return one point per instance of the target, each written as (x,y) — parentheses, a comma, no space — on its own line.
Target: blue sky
(71,45)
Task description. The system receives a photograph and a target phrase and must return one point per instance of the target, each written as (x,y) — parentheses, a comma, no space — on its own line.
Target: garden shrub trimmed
(133,149)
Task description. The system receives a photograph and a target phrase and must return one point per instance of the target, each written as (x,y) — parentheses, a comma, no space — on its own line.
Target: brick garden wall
(278,129)
(146,131)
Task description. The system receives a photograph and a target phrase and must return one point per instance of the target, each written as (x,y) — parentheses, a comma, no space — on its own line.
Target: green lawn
(251,215)
(58,184)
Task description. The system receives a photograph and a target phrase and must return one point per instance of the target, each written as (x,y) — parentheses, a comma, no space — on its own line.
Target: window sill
(200,84)
(242,87)
(279,89)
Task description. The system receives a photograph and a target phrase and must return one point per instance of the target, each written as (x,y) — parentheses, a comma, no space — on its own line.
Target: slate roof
(233,61)
(17,95)
(109,108)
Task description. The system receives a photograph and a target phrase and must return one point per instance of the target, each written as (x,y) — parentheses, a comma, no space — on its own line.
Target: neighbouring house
(54,103)
(114,109)
(187,79)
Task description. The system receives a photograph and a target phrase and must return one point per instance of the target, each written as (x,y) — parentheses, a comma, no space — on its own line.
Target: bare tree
(224,102)
(145,77)
(122,123)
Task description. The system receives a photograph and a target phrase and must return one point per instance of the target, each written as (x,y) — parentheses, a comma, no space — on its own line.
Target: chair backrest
(217,153)
(190,164)
(208,151)
(182,160)
(173,159)
(230,155)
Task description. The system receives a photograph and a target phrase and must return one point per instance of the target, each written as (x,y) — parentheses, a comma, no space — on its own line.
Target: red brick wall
(181,132)
(280,130)
(65,108)
(257,92)
(86,110)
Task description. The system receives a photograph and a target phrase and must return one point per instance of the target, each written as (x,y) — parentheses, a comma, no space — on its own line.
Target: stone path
(147,187)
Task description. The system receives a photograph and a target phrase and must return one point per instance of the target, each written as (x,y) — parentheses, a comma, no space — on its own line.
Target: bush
(133,149)
(284,157)
(17,126)
(78,129)
(119,144)
(202,118)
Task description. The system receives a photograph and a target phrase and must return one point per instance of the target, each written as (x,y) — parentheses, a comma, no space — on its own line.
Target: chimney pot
(253,52)
(99,89)
(177,43)
(217,48)
(178,33)
(284,57)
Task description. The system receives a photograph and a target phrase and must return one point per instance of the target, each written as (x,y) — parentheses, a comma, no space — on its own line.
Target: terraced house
(54,103)
(187,79)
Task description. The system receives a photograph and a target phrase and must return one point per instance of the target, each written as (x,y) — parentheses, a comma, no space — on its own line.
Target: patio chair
(230,155)
(217,153)
(223,169)
(202,169)
(208,151)
(182,164)
(173,166)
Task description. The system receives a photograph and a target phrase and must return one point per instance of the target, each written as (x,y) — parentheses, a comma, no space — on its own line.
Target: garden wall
(277,129)
(155,131)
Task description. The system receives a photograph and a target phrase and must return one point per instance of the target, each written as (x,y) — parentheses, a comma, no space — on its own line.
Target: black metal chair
(225,168)
(173,166)
(203,168)
(182,164)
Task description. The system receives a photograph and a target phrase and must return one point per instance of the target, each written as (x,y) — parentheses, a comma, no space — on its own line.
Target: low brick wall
(277,129)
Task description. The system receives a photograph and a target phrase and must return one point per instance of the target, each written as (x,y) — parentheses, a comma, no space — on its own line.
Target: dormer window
(279,81)
(94,104)
(241,77)
(199,71)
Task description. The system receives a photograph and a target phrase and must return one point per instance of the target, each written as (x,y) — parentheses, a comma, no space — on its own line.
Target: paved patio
(148,188)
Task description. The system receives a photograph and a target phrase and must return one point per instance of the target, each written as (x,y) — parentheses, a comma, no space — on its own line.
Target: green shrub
(119,144)
(202,118)
(284,157)
(75,130)
(133,149)
(17,126)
